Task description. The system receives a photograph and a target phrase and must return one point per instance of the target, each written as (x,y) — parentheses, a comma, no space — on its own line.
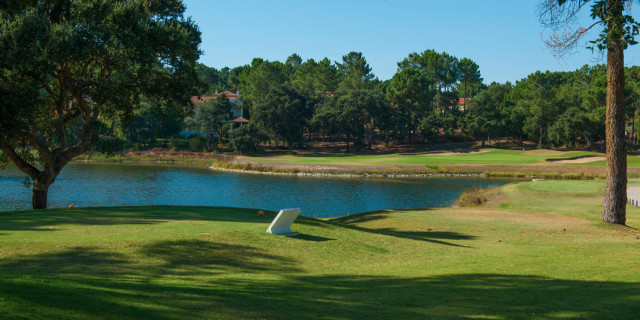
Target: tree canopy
(68,65)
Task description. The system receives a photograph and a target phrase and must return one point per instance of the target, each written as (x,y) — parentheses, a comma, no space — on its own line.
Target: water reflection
(105,184)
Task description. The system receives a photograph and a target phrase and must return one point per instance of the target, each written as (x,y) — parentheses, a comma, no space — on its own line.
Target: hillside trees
(71,62)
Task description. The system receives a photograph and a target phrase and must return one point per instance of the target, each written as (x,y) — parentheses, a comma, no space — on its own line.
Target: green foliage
(246,138)
(316,78)
(151,123)
(213,78)
(469,76)
(411,92)
(421,100)
(261,78)
(355,71)
(210,116)
(196,143)
(487,111)
(618,27)
(282,114)
(87,61)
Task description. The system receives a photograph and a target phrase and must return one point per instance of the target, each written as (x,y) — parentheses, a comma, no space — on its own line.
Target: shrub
(246,138)
(474,198)
(196,143)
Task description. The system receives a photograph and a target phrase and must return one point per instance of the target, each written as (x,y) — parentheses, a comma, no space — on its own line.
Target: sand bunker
(582,160)
(455,153)
(543,152)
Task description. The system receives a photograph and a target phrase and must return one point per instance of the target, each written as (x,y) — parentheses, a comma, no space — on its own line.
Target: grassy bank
(456,158)
(545,164)
(151,156)
(541,254)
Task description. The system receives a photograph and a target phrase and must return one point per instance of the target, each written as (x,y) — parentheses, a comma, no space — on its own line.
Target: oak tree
(67,64)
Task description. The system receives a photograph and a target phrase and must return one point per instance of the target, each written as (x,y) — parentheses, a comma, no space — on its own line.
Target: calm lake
(104,184)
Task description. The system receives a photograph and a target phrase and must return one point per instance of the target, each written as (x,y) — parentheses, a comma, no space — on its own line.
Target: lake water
(104,184)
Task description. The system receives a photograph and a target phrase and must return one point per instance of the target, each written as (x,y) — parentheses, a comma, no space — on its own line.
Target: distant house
(236,115)
(463,104)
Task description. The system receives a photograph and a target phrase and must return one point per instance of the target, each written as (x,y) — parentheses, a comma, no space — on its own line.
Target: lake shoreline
(359,171)
(549,169)
(345,174)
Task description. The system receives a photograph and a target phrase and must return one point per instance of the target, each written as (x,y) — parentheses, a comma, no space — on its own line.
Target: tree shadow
(308,237)
(427,236)
(459,296)
(350,222)
(47,220)
(167,257)
(191,256)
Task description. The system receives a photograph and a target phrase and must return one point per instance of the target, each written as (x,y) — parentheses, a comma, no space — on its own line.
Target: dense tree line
(434,97)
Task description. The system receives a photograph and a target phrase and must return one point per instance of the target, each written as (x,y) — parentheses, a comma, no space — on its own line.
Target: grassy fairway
(491,157)
(218,263)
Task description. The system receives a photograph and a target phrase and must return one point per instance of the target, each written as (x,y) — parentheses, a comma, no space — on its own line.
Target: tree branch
(23,165)
(37,142)
(560,44)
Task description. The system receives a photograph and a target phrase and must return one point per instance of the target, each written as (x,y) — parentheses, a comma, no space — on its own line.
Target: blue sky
(502,36)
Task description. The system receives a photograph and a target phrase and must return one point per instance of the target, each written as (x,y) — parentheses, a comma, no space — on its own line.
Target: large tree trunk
(540,139)
(39,194)
(615,197)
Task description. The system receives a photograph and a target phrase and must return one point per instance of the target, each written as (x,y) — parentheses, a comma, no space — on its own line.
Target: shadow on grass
(351,222)
(282,295)
(168,257)
(308,237)
(46,220)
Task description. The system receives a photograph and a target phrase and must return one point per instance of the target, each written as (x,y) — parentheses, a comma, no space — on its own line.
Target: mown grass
(529,262)
(491,157)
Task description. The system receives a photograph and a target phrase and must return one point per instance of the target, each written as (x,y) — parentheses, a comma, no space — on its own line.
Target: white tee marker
(281,225)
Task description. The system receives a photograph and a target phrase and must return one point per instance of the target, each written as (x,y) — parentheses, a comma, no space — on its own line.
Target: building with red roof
(237,112)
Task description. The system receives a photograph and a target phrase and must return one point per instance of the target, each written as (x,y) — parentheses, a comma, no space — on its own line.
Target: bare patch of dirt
(495,198)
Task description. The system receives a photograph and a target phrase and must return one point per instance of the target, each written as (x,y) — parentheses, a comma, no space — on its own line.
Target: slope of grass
(218,263)
(581,199)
